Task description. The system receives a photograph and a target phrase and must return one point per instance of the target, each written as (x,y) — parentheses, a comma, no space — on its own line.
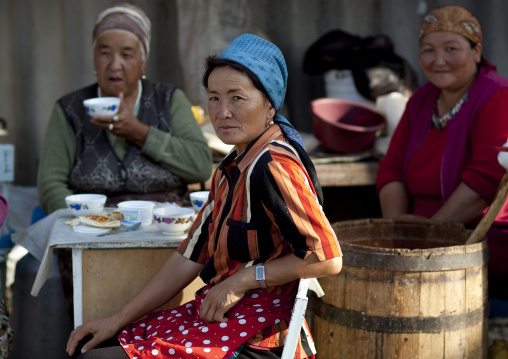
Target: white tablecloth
(40,239)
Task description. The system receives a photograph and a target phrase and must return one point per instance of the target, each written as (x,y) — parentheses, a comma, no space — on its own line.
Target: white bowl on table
(132,212)
(173,221)
(88,204)
(198,199)
(102,106)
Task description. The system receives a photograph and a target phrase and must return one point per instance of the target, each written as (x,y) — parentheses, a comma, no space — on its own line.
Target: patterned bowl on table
(88,204)
(198,199)
(102,106)
(173,221)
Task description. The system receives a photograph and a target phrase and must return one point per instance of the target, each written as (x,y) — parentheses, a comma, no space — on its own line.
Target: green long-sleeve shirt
(184,151)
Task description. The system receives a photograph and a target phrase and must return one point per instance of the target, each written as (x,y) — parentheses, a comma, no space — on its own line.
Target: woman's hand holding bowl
(124,124)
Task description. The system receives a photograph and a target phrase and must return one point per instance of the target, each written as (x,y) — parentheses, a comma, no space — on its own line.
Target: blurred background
(47,50)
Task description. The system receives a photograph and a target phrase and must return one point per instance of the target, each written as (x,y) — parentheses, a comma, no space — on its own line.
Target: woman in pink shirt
(442,161)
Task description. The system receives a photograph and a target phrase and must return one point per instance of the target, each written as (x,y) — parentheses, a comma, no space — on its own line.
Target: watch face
(260,273)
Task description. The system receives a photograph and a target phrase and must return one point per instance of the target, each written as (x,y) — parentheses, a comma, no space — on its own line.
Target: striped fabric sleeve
(195,246)
(287,193)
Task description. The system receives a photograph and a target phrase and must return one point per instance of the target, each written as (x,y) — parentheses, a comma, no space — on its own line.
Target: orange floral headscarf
(452,18)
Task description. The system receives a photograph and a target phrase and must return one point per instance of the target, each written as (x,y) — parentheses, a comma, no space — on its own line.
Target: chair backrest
(297,316)
(37,214)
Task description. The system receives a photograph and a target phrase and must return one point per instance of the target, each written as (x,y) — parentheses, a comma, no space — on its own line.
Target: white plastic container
(341,84)
(136,211)
(392,106)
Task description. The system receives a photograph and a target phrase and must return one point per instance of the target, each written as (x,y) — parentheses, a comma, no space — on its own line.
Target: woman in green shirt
(149,150)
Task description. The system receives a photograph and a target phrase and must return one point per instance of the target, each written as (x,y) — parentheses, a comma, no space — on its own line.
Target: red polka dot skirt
(180,332)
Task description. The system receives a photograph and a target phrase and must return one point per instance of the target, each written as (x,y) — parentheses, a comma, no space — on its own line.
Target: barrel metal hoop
(358,320)
(431,263)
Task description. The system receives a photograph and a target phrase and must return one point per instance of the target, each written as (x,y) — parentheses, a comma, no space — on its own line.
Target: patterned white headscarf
(126,17)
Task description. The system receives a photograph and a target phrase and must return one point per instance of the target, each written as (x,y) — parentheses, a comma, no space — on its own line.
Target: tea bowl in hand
(102,106)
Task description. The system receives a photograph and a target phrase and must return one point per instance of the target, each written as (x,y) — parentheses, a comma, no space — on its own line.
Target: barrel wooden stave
(456,295)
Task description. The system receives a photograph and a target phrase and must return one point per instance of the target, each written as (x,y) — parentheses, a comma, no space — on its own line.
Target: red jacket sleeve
(483,173)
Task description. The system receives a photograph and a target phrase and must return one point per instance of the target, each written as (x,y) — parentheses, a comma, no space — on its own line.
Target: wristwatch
(260,275)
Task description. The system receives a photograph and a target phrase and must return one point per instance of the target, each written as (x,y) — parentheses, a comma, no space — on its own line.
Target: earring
(143,77)
(94,73)
(271,123)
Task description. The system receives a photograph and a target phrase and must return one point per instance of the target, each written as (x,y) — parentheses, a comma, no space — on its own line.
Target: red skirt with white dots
(180,332)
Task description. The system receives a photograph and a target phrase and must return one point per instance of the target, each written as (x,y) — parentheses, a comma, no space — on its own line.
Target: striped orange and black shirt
(262,206)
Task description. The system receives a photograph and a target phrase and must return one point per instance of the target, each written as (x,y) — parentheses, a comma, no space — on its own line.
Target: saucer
(83,228)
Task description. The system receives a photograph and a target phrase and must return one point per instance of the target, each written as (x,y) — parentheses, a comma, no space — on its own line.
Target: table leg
(77,280)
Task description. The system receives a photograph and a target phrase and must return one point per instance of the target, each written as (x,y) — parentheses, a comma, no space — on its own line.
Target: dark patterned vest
(97,168)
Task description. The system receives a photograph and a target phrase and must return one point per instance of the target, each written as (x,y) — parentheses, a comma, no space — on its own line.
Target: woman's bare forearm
(287,269)
(463,206)
(224,295)
(393,200)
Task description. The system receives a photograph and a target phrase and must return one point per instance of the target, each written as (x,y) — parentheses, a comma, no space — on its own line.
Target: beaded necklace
(440,122)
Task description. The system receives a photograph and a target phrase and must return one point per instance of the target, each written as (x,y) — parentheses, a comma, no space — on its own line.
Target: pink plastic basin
(345,126)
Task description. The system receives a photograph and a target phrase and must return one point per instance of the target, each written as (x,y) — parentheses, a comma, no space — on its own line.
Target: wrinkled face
(238,111)
(448,60)
(118,62)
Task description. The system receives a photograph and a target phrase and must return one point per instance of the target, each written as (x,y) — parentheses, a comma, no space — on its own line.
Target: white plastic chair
(297,316)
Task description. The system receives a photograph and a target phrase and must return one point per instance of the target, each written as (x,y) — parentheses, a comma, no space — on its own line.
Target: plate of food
(96,224)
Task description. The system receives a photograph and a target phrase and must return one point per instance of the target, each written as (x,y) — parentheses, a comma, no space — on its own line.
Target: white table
(109,270)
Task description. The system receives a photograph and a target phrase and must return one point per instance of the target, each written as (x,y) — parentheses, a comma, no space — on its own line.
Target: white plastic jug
(392,106)
(340,84)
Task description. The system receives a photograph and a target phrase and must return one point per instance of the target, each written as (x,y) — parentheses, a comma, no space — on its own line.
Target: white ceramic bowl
(102,106)
(136,211)
(173,221)
(198,199)
(88,204)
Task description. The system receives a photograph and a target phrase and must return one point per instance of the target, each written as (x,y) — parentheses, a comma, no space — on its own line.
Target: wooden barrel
(408,289)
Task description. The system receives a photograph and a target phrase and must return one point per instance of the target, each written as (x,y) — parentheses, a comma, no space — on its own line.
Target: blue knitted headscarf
(266,61)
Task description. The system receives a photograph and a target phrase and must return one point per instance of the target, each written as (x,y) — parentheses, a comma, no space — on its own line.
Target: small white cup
(132,212)
(198,199)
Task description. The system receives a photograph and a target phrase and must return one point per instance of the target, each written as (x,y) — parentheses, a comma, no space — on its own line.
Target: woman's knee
(116,352)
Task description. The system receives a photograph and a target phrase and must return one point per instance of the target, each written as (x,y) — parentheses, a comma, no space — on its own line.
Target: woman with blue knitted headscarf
(261,230)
